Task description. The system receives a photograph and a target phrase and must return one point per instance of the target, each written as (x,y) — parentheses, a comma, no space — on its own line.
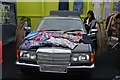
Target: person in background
(90,17)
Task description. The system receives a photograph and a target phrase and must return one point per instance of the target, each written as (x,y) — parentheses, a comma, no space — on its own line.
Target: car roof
(60,17)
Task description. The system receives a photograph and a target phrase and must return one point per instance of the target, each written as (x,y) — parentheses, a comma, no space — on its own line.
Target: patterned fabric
(63,42)
(36,39)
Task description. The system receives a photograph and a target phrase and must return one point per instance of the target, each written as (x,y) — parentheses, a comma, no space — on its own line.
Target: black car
(57,45)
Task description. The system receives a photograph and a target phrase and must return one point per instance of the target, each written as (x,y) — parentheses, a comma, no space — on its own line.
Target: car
(58,44)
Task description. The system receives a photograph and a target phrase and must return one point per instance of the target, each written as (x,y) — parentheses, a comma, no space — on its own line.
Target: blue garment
(78,6)
(32,35)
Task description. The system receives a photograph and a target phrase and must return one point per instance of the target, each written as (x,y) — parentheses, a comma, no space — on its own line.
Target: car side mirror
(28,29)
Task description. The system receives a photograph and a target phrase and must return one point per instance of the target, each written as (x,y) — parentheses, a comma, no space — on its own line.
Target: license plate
(57,69)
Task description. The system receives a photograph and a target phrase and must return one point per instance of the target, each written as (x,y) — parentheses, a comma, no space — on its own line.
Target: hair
(92,15)
(90,12)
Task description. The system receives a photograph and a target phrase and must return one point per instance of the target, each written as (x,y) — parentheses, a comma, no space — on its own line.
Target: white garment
(87,21)
(106,11)
(63,42)
(96,8)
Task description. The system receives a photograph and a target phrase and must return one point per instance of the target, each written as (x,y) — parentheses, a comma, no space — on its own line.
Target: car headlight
(32,56)
(24,54)
(83,57)
(80,57)
(74,59)
(27,55)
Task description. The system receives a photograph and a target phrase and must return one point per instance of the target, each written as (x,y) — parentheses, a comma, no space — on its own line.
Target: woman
(87,21)
(91,23)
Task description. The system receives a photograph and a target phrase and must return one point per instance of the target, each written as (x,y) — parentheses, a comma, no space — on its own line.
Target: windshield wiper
(72,30)
(52,30)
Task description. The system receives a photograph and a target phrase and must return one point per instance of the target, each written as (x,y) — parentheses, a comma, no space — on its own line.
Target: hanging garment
(96,8)
(78,5)
(106,11)
(104,36)
(116,6)
(20,33)
(99,39)
(63,5)
(108,19)
(110,28)
(114,25)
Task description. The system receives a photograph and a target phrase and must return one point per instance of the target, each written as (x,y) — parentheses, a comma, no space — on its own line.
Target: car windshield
(60,24)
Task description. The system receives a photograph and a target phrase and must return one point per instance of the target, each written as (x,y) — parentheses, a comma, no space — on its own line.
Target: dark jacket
(88,26)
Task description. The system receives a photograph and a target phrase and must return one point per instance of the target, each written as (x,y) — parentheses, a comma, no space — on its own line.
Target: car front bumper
(36,66)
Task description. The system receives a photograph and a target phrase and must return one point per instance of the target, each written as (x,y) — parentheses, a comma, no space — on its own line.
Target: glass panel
(1,13)
(6,14)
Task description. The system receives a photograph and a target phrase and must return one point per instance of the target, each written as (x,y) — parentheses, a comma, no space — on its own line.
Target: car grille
(53,62)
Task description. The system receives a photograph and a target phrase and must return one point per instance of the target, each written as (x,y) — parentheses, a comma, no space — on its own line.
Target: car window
(60,24)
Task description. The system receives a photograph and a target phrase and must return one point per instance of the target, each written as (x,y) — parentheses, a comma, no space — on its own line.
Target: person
(87,21)
(91,23)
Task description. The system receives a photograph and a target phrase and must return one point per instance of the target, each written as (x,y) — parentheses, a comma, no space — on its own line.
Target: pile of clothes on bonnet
(42,38)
